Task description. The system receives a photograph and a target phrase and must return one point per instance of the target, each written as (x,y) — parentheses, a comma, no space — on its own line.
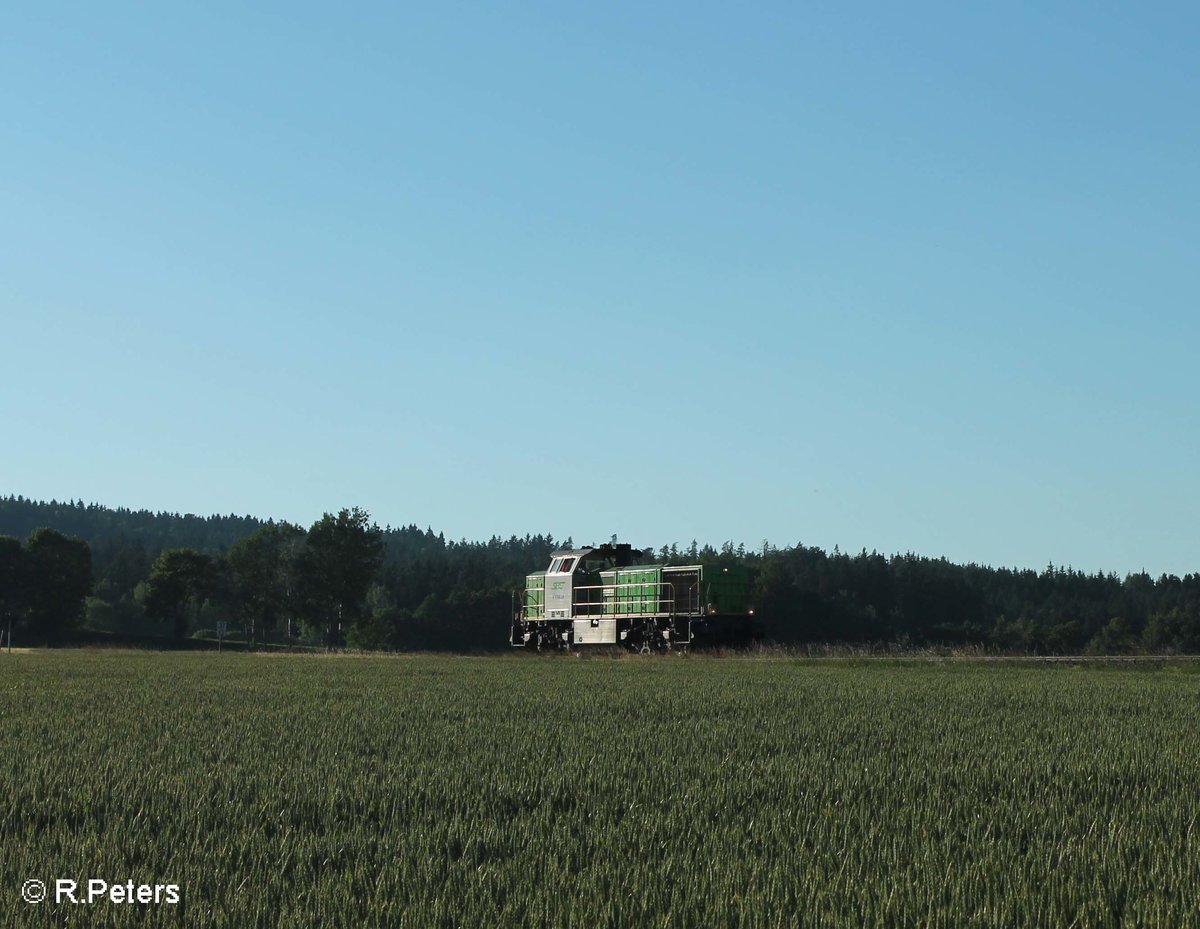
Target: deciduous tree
(263,570)
(60,579)
(180,581)
(14,584)
(341,558)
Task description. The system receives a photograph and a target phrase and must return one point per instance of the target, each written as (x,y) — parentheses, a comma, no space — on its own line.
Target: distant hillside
(100,526)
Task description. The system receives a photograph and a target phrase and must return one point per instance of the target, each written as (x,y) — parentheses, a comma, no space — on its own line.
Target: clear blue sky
(902,277)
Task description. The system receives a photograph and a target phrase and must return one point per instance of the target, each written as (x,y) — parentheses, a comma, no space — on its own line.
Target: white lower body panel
(603,633)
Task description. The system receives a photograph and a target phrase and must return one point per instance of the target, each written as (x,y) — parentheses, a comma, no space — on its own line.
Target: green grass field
(593,792)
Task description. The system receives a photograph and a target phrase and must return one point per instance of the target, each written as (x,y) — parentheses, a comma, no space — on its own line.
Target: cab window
(567,564)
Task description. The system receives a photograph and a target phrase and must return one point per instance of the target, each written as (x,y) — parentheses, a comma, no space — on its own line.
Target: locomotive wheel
(652,639)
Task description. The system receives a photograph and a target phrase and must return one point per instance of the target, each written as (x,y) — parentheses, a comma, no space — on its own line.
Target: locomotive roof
(567,552)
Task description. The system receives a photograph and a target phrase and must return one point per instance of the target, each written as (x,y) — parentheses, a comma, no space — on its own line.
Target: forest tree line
(70,571)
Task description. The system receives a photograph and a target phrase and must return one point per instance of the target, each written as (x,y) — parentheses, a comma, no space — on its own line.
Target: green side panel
(535,596)
(727,589)
(638,590)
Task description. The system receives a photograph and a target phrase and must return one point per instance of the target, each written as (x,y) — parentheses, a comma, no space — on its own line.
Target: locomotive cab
(560,585)
(574,577)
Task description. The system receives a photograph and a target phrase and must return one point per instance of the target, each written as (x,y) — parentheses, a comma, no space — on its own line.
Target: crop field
(598,792)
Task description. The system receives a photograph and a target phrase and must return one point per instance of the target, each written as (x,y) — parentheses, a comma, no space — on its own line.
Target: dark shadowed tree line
(808,595)
(43,584)
(345,581)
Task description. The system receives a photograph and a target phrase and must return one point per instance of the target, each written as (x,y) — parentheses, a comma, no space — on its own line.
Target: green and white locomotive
(608,596)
